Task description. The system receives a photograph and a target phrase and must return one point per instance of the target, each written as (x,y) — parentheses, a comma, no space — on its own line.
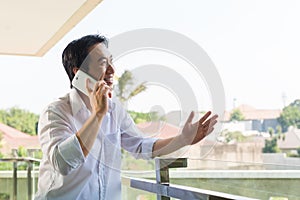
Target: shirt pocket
(113,140)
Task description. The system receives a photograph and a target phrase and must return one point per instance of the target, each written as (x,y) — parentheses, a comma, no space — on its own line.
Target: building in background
(255,120)
(13,139)
(290,141)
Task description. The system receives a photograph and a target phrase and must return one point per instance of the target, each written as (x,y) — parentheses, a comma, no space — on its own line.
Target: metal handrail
(165,190)
(180,191)
(29,162)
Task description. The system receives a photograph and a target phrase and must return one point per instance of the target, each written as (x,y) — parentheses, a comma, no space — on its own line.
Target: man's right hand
(99,97)
(99,103)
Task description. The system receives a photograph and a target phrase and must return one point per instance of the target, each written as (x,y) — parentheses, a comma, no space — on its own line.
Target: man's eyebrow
(102,58)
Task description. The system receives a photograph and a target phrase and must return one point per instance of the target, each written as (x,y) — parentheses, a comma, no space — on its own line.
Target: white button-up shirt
(64,171)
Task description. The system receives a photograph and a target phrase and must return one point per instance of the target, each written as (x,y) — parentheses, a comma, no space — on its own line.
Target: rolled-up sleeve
(59,142)
(69,155)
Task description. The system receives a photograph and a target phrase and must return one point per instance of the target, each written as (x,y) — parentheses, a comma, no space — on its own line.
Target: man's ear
(75,69)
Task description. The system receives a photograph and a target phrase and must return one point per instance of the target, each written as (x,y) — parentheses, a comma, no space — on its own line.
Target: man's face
(100,62)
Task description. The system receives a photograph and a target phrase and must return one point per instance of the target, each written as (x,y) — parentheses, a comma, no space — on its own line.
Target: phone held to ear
(79,82)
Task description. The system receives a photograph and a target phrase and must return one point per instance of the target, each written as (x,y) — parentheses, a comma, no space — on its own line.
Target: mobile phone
(79,81)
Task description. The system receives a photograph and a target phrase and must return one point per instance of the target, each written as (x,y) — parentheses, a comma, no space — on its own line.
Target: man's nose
(110,69)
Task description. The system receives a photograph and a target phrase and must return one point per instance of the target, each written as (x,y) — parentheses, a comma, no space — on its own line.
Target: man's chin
(111,85)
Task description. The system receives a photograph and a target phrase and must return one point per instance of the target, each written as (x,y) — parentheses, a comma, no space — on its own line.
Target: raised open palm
(193,133)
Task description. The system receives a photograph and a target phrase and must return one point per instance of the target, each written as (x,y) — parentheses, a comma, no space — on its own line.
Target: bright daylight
(144,100)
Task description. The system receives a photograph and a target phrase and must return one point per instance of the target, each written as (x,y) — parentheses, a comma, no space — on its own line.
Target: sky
(254,44)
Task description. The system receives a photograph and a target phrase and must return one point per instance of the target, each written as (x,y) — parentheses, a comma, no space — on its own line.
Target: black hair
(77,50)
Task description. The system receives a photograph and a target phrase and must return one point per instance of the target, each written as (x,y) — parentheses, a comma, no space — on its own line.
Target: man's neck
(85,99)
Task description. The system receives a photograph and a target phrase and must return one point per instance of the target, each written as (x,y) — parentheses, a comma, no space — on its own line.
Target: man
(82,135)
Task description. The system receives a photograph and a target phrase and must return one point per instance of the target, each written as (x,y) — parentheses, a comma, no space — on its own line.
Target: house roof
(158,129)
(251,113)
(13,139)
(291,141)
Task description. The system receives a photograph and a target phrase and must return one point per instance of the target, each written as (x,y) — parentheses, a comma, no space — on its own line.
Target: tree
(19,119)
(236,115)
(235,136)
(139,117)
(278,129)
(271,146)
(124,90)
(271,131)
(290,116)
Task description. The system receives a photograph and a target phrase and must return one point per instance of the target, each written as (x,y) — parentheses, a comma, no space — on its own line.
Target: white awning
(33,27)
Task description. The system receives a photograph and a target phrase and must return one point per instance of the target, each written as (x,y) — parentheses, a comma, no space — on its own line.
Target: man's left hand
(193,133)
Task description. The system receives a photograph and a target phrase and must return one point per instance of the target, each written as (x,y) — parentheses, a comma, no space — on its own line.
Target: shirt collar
(76,102)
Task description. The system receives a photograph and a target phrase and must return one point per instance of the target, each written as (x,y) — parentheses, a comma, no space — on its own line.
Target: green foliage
(278,129)
(271,146)
(235,136)
(124,90)
(290,115)
(279,136)
(22,152)
(271,131)
(139,117)
(6,166)
(37,154)
(236,115)
(9,166)
(289,154)
(4,196)
(19,119)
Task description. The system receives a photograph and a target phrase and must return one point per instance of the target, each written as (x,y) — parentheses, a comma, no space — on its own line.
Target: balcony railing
(15,162)
(162,186)
(165,190)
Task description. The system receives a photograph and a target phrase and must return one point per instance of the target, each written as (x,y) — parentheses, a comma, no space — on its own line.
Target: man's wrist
(98,116)
(181,141)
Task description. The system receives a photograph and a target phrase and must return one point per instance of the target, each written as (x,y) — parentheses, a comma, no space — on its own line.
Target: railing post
(162,172)
(15,178)
(29,182)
